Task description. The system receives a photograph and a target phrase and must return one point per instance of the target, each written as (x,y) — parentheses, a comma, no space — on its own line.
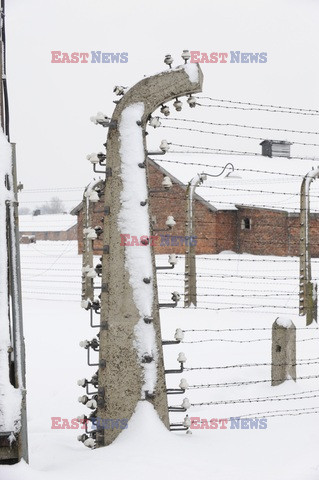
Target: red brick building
(241,229)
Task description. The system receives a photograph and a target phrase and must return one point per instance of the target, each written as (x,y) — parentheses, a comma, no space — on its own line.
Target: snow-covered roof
(46,223)
(278,190)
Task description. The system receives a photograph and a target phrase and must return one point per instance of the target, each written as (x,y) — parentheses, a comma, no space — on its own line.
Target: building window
(246,224)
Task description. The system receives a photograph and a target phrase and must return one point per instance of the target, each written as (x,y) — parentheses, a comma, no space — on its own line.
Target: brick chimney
(275,148)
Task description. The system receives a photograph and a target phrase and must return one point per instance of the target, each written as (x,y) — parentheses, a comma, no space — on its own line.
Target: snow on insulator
(186,55)
(178,105)
(82,382)
(85,304)
(183,384)
(179,334)
(191,101)
(81,418)
(91,273)
(176,297)
(186,404)
(187,422)
(165,110)
(91,234)
(172,260)
(82,438)
(170,222)
(155,122)
(90,443)
(164,146)
(93,158)
(94,197)
(181,357)
(100,119)
(167,183)
(86,230)
(83,399)
(119,90)
(85,269)
(92,404)
(84,343)
(168,60)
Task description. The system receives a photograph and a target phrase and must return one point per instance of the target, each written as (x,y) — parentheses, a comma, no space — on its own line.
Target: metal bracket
(179,427)
(177,409)
(175,391)
(167,305)
(175,371)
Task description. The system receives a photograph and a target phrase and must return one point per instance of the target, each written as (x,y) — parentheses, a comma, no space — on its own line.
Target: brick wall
(271,232)
(173,202)
(268,232)
(70,234)
(294,225)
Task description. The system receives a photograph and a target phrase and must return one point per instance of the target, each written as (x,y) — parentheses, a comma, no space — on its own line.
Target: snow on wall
(10,398)
(134,220)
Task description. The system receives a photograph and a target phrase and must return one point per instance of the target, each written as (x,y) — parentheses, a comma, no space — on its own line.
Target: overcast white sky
(51,103)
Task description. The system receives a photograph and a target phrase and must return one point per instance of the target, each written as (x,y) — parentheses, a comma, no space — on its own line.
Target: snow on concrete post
(283,351)
(131,356)
(307,288)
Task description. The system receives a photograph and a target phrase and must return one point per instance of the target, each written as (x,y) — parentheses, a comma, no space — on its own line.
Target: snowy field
(234,292)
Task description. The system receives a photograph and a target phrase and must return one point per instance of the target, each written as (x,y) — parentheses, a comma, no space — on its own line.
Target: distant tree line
(55,205)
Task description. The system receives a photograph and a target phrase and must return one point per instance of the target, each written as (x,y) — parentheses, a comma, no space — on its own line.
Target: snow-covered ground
(54,324)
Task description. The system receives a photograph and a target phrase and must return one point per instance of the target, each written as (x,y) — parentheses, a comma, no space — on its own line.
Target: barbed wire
(226,134)
(244,242)
(237,125)
(298,411)
(226,276)
(240,308)
(257,109)
(256,400)
(249,382)
(207,340)
(307,361)
(266,260)
(258,104)
(240,329)
(238,152)
(209,165)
